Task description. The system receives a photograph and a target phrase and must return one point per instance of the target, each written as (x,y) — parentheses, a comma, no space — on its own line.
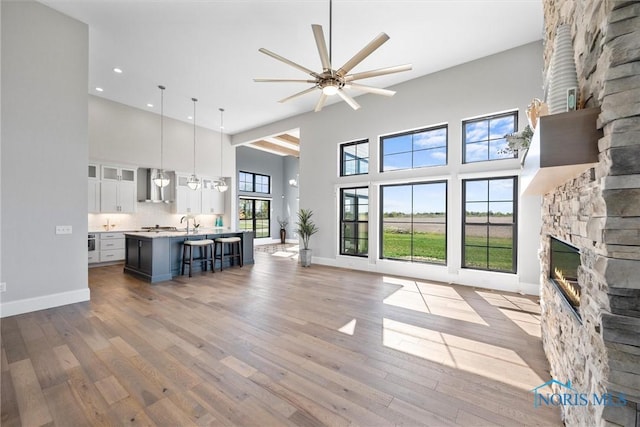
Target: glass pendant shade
(221,185)
(161,179)
(193,182)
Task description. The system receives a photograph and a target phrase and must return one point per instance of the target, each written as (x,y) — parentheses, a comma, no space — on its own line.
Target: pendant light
(193,182)
(221,185)
(161,179)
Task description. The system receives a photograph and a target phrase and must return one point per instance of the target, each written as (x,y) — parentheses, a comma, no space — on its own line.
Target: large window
(484,137)
(255,216)
(354,221)
(254,183)
(354,158)
(415,149)
(414,222)
(489,230)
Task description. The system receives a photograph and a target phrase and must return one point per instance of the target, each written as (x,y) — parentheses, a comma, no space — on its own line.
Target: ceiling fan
(331,81)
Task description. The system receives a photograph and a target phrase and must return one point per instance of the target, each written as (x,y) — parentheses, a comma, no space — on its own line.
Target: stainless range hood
(151,193)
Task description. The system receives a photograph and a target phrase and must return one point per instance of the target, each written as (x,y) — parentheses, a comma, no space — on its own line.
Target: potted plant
(306,229)
(283,229)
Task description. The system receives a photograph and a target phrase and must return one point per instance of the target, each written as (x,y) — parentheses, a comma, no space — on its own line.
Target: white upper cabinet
(212,199)
(118,191)
(187,200)
(93,187)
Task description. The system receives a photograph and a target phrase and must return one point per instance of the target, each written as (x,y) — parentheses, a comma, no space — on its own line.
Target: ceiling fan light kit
(333,82)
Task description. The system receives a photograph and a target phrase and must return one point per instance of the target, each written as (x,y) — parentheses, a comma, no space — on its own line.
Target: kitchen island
(156,256)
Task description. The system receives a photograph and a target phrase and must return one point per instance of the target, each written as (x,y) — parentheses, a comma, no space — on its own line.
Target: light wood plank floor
(275,344)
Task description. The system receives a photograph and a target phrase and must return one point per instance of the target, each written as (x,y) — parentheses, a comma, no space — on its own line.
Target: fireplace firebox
(563,273)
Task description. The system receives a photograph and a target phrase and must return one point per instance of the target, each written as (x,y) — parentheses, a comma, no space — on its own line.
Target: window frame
(489,117)
(253,219)
(488,224)
(357,158)
(356,223)
(253,176)
(446,222)
(382,139)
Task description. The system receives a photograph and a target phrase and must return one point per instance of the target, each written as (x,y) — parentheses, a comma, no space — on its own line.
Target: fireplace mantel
(563,146)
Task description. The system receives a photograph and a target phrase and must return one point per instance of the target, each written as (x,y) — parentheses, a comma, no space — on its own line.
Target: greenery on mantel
(518,141)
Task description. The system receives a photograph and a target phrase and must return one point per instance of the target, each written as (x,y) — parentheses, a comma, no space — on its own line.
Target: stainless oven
(92,242)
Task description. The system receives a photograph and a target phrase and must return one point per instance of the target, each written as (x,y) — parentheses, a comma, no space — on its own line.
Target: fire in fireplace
(563,272)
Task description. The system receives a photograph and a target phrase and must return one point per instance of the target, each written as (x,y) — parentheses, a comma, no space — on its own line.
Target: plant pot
(283,235)
(305,257)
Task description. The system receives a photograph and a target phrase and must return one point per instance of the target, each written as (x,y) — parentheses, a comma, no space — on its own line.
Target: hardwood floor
(276,344)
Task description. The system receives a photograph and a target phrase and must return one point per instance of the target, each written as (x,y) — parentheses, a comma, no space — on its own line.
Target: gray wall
(281,169)
(44,157)
(500,82)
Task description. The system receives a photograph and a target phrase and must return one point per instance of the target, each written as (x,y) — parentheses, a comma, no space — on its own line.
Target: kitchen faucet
(188,217)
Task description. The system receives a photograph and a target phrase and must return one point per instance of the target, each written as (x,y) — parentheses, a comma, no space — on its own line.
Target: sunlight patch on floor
(284,254)
(349,328)
(432,298)
(498,363)
(523,312)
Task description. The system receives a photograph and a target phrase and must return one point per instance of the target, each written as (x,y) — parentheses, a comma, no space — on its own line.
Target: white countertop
(180,233)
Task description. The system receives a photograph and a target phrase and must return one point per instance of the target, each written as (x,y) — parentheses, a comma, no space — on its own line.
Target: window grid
(483,138)
(255,215)
(417,233)
(354,158)
(254,182)
(489,230)
(425,147)
(354,221)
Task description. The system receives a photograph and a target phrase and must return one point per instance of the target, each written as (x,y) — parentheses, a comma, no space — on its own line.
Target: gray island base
(156,256)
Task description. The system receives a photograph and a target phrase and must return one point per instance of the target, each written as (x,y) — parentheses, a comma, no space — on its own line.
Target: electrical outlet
(64,229)
(3,287)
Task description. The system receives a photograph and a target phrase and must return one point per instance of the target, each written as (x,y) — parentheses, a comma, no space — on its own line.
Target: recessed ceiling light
(99,89)
(117,70)
(150,105)
(189,117)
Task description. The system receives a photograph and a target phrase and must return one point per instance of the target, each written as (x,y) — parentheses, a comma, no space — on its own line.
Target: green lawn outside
(430,247)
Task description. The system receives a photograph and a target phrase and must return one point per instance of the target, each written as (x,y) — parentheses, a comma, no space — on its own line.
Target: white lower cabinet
(112,247)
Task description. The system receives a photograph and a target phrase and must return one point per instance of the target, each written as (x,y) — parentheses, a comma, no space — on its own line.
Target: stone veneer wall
(599,212)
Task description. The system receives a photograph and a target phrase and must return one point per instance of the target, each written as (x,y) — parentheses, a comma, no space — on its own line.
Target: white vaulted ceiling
(209,49)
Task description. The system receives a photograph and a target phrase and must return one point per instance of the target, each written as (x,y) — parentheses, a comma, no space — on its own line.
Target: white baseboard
(11,308)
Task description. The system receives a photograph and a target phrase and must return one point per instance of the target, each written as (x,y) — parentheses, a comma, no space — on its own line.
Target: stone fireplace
(595,343)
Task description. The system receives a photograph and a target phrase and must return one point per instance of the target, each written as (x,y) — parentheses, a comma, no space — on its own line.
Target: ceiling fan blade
(295,95)
(286,61)
(322,46)
(378,72)
(349,100)
(360,56)
(370,89)
(321,102)
(282,81)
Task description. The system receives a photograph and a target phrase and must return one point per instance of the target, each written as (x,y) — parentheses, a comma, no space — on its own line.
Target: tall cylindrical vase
(563,74)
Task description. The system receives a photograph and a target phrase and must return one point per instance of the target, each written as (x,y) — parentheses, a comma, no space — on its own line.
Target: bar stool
(235,250)
(202,245)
